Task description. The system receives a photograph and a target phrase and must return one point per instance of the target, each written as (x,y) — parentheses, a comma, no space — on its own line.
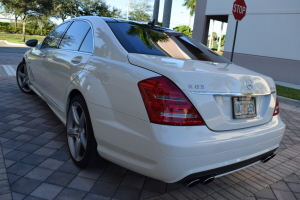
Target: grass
(17,38)
(288,92)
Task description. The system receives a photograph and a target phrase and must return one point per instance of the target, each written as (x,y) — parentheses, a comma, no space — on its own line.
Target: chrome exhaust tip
(207,180)
(202,180)
(268,158)
(192,183)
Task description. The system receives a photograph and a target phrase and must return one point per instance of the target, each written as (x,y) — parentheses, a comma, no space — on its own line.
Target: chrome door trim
(231,94)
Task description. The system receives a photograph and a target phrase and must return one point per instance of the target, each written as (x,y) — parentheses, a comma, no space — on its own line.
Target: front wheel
(23,79)
(80,135)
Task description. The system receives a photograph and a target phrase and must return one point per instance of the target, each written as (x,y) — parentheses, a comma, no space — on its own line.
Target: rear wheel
(23,79)
(80,135)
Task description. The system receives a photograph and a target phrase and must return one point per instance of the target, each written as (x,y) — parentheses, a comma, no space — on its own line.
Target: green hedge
(8,29)
(4,23)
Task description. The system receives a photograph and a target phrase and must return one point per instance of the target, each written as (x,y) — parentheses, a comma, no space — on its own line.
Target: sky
(179,14)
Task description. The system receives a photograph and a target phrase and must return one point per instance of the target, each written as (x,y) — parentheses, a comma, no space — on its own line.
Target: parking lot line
(9,70)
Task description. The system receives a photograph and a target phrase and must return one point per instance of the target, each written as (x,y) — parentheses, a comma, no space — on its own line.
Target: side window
(74,36)
(87,44)
(52,39)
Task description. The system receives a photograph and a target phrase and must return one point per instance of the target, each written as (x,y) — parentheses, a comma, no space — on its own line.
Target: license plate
(244,107)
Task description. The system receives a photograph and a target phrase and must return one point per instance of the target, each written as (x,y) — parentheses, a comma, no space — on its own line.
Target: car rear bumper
(172,153)
(172,169)
(217,172)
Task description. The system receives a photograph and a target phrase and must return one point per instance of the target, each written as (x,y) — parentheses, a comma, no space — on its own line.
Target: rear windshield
(143,39)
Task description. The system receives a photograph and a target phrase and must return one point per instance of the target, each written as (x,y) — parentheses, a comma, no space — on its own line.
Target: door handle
(76,60)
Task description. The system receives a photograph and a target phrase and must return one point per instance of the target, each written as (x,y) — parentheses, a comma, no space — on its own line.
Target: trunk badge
(249,84)
(190,86)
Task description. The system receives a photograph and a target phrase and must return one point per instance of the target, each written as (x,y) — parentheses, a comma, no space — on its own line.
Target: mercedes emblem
(249,84)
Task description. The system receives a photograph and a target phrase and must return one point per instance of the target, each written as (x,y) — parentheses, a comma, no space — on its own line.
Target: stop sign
(239,9)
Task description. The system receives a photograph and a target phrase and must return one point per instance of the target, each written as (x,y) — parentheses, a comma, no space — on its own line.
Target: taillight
(166,104)
(276,109)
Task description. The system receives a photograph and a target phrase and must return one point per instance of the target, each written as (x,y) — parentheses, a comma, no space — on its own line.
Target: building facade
(267,38)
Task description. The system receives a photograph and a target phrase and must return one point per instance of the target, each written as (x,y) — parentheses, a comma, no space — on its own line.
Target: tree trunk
(16,21)
(211,35)
(220,39)
(63,17)
(127,12)
(24,28)
(41,26)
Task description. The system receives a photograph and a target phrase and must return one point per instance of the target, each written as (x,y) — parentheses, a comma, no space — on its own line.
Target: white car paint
(214,100)
(108,80)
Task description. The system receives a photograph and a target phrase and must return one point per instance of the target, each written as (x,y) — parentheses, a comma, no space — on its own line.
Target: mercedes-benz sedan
(152,100)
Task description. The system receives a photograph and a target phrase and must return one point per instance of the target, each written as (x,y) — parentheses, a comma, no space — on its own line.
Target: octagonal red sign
(239,9)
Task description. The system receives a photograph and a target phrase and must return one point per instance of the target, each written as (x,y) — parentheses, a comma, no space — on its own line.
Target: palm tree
(191,4)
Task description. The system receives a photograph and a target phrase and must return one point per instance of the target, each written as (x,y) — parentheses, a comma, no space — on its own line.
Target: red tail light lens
(166,104)
(276,110)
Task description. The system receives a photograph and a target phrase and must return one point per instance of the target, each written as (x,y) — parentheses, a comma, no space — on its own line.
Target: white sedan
(152,100)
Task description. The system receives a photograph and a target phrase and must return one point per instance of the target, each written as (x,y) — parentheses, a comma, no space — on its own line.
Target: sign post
(239,11)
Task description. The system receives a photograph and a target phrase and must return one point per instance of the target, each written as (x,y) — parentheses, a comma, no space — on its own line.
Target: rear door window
(87,44)
(52,39)
(75,35)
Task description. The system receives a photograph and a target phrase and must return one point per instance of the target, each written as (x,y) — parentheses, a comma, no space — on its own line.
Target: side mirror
(32,43)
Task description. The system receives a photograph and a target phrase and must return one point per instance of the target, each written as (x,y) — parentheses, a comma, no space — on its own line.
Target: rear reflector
(276,109)
(166,104)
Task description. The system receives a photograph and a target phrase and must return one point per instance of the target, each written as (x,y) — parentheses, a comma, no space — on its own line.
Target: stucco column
(167,13)
(199,30)
(155,11)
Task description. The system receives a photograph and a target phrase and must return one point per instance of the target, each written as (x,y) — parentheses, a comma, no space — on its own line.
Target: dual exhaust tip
(268,158)
(208,179)
(202,180)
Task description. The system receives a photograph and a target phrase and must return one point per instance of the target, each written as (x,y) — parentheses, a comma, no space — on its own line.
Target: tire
(23,79)
(80,135)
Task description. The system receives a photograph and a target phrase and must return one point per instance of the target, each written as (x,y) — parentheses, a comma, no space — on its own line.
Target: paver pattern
(38,164)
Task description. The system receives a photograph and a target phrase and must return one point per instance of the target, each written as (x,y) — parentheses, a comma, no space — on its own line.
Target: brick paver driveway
(38,165)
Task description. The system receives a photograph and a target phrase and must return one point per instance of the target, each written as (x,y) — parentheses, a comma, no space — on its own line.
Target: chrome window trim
(92,29)
(60,37)
(232,94)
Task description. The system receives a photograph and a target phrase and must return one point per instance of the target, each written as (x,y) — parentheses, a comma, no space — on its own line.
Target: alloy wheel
(23,79)
(76,131)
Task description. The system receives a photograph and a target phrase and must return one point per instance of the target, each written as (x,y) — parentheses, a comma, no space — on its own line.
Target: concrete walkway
(8,70)
(4,42)
(38,164)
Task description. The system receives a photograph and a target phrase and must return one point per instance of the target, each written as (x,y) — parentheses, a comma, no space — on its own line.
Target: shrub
(184,29)
(4,23)
(215,47)
(8,29)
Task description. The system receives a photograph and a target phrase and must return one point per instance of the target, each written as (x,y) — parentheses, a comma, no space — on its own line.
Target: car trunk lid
(215,89)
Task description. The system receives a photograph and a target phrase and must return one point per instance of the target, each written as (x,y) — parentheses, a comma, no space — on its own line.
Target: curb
(16,44)
(291,102)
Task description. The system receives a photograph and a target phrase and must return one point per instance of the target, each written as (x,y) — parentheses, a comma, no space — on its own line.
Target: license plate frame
(244,107)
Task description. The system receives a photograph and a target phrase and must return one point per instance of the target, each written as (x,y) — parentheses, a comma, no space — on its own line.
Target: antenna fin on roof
(152,24)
